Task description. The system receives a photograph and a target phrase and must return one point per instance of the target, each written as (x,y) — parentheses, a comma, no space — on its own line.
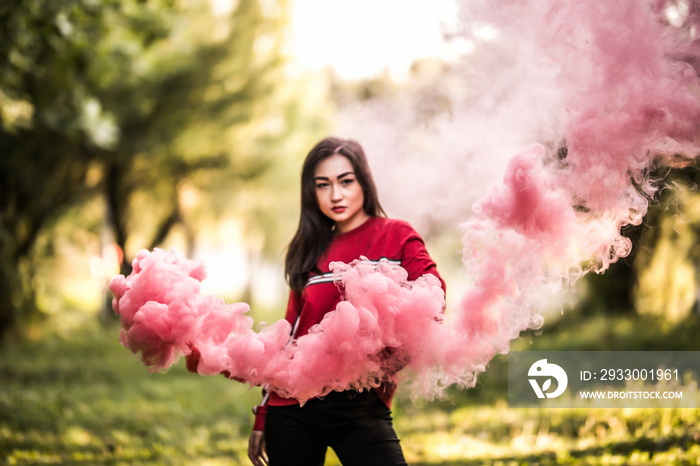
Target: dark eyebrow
(325,178)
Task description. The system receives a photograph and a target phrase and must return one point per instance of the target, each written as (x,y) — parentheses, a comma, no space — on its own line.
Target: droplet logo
(542,369)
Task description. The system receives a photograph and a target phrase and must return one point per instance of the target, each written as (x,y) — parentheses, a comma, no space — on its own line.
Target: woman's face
(338,192)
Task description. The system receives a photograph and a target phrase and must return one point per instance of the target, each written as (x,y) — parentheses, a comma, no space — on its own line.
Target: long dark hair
(315,230)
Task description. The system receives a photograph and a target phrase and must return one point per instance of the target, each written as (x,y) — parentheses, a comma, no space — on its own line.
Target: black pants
(357,426)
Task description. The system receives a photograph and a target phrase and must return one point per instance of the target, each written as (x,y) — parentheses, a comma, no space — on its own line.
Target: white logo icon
(542,368)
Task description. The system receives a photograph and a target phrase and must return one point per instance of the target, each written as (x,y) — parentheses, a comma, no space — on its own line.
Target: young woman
(341,220)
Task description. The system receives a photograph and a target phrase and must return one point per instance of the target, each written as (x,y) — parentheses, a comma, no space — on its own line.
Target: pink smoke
(164,316)
(623,105)
(614,93)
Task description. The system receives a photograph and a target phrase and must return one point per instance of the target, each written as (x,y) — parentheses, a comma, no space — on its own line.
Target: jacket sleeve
(416,260)
(260,412)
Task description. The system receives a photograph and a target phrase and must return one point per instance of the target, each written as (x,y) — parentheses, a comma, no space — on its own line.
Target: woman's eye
(321,185)
(348,181)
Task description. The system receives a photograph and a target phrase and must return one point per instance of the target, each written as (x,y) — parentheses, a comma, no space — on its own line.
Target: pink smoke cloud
(164,316)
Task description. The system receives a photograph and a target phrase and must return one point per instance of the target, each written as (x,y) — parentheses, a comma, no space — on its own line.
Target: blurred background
(132,124)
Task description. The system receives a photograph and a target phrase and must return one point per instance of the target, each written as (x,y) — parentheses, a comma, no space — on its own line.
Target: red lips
(339,209)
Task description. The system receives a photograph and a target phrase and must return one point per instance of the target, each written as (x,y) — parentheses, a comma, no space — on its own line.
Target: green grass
(87,400)
(496,434)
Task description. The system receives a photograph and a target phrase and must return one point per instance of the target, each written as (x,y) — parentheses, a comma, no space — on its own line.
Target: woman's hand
(392,360)
(256,448)
(193,358)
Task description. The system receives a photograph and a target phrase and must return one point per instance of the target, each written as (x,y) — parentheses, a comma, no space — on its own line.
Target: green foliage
(30,46)
(151,116)
(660,277)
(182,121)
(669,259)
(57,60)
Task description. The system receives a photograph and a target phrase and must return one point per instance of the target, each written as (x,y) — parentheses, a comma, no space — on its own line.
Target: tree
(132,91)
(668,261)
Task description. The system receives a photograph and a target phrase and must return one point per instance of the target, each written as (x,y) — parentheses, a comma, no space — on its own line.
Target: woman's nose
(336,193)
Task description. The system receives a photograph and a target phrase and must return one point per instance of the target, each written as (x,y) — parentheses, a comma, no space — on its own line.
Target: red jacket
(377,238)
